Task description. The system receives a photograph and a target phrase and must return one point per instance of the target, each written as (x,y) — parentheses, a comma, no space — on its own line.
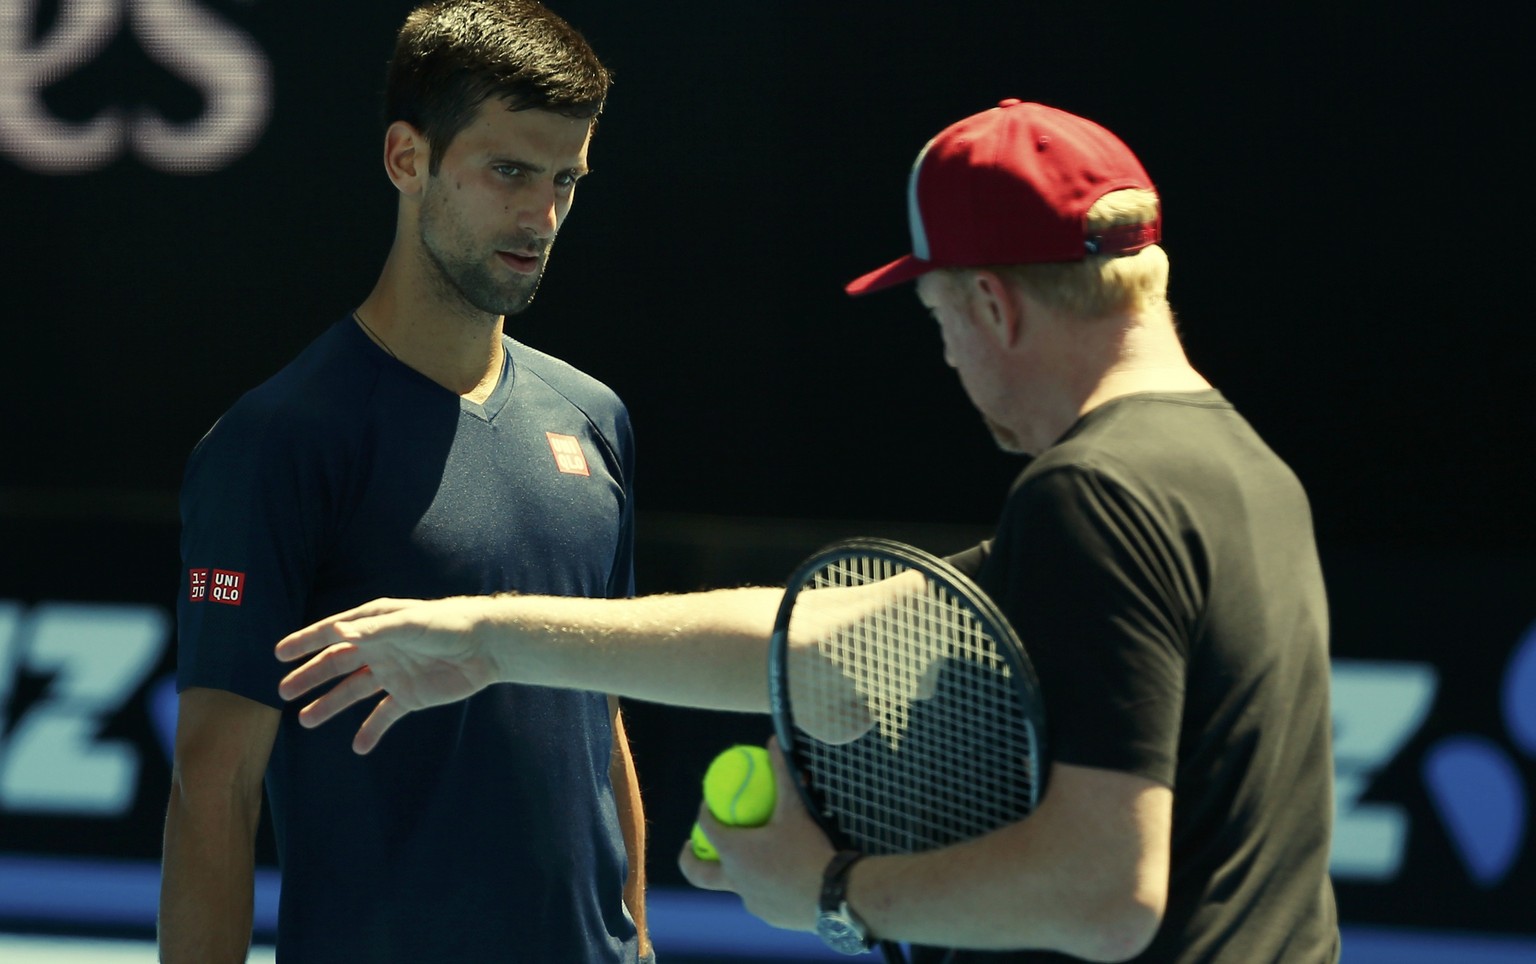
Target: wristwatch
(837,925)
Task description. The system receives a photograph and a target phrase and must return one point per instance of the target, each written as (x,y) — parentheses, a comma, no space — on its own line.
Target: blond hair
(1101,285)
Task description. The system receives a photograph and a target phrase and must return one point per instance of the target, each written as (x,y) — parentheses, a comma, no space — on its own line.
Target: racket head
(953,726)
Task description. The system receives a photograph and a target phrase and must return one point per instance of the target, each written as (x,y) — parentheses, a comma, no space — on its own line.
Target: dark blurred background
(192,191)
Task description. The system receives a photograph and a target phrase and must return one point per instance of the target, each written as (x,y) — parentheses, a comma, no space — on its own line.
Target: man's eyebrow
(531,168)
(580,170)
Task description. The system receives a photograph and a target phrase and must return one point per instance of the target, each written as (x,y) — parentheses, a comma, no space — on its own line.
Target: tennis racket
(908,712)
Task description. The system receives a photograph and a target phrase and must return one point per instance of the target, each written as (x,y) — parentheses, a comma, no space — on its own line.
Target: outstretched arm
(704,649)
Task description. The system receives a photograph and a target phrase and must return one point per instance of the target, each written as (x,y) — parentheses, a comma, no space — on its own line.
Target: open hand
(418,653)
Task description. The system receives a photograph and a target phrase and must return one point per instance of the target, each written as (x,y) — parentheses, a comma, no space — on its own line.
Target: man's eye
(507,170)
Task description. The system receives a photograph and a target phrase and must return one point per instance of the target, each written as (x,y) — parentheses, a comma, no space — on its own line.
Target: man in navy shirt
(415,449)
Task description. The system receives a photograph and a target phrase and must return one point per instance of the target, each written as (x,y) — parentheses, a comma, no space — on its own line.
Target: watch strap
(834,880)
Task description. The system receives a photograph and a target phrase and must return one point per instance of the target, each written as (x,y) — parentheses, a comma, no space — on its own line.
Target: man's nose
(540,212)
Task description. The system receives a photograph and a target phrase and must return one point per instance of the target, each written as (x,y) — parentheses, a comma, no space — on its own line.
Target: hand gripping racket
(907,710)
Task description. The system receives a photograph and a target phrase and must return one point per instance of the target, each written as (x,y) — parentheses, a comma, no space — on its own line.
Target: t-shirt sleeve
(1101,594)
(251,508)
(622,582)
(970,561)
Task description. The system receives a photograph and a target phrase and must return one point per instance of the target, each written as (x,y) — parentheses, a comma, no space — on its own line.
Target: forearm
(1086,875)
(626,791)
(206,885)
(704,650)
(961,897)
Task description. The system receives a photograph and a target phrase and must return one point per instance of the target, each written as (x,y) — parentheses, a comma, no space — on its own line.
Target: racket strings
(949,756)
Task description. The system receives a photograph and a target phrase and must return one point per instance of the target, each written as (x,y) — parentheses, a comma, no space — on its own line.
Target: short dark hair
(453,55)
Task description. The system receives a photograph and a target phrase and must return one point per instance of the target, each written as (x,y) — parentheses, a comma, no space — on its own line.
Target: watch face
(841,934)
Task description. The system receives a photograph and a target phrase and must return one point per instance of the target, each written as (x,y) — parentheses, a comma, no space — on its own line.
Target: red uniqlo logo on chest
(568,456)
(228,587)
(197,585)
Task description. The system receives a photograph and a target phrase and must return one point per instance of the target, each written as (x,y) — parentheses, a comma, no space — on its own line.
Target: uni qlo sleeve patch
(568,456)
(219,585)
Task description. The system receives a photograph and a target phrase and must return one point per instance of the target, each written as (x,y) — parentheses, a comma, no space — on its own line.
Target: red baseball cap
(1013,185)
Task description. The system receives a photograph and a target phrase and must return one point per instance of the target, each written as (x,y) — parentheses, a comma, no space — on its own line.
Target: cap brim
(902,269)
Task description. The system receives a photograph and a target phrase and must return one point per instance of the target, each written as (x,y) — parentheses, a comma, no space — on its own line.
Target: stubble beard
(463,277)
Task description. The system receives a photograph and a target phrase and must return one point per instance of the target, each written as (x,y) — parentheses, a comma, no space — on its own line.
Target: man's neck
(1146,358)
(434,333)
(1076,365)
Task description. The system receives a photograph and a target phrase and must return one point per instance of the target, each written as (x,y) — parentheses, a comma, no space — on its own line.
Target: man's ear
(998,307)
(406,156)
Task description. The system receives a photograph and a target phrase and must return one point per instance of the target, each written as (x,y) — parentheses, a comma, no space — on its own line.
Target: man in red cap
(1155,557)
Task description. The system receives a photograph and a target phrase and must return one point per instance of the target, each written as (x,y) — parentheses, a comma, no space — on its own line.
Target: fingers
(381,719)
(359,686)
(315,637)
(712,828)
(338,660)
(354,689)
(333,629)
(787,799)
(783,781)
(704,874)
(733,839)
(310,639)
(336,641)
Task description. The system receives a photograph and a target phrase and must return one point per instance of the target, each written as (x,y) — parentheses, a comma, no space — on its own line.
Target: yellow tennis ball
(702,848)
(739,790)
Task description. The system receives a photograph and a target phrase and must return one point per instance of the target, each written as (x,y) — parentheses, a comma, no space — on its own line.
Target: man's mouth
(521,263)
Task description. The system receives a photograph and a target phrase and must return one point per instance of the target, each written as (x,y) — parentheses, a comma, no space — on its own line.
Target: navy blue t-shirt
(485,830)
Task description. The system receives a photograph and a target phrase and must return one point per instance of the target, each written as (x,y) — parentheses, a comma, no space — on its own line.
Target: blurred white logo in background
(222,63)
(59,754)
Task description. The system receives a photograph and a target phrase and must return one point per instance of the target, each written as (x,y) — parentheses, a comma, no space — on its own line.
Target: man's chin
(1008,440)
(516,299)
(520,304)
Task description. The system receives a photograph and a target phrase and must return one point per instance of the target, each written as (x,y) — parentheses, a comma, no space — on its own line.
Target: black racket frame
(956,582)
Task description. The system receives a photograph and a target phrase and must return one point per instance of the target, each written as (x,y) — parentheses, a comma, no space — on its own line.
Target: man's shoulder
(600,403)
(1176,459)
(557,372)
(309,396)
(1158,438)
(331,366)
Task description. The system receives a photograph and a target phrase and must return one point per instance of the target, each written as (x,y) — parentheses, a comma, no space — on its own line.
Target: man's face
(973,354)
(490,214)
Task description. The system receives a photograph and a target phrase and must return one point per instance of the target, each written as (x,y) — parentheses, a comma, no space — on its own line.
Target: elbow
(199,796)
(1118,929)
